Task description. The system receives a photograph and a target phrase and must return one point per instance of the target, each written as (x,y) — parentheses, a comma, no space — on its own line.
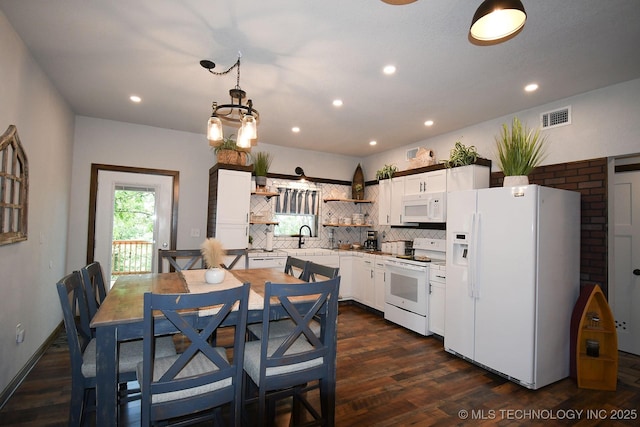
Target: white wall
(125,144)
(604,124)
(30,269)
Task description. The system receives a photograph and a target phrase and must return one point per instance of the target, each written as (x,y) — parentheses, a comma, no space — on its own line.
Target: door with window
(133,218)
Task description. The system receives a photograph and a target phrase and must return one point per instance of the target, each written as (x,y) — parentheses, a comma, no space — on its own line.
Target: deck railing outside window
(131,257)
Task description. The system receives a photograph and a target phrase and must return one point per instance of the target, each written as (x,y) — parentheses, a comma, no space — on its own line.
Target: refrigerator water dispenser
(461,248)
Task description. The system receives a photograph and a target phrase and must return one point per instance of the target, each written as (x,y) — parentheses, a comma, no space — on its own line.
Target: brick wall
(589,178)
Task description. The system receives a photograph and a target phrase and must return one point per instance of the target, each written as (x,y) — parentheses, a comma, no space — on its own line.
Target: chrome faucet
(300,239)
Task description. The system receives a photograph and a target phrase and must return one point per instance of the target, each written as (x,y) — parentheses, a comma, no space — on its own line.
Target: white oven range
(407,285)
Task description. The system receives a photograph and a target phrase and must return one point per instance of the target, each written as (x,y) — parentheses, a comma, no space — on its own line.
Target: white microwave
(424,207)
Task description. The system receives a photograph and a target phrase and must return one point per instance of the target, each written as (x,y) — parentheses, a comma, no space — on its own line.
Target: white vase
(214,275)
(515,181)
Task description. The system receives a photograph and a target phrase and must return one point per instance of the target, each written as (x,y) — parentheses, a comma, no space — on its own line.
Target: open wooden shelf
(346,200)
(345,225)
(267,194)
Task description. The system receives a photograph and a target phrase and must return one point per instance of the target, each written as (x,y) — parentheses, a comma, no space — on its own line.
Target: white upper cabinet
(468,177)
(389,201)
(234,203)
(426,182)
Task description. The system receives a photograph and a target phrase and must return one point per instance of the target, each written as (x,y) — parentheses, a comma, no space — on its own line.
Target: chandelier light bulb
(214,130)
(243,139)
(249,127)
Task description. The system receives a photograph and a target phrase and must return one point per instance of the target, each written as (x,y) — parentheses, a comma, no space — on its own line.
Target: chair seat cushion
(199,364)
(252,357)
(129,356)
(281,328)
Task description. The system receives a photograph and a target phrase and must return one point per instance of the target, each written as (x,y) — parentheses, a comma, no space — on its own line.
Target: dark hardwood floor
(387,376)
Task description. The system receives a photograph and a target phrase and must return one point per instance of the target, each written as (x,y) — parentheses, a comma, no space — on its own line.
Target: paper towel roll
(269,245)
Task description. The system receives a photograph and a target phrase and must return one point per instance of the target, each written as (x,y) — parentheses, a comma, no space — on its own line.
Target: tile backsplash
(328,210)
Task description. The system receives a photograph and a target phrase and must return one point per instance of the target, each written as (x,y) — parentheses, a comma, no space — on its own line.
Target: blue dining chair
(294,364)
(314,273)
(297,267)
(94,286)
(199,381)
(82,349)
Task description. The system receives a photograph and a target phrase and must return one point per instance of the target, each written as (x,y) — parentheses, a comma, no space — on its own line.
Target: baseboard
(22,374)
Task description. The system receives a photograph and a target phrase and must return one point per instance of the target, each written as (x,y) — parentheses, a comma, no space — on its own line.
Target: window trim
(15,173)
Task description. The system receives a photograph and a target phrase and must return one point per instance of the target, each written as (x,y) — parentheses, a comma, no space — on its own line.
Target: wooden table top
(124,302)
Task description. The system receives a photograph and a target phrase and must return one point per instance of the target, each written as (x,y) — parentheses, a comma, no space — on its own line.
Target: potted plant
(213,255)
(519,151)
(228,152)
(461,155)
(386,172)
(261,164)
(358,191)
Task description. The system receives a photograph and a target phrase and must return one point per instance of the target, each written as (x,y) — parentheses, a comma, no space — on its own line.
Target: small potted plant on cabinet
(261,164)
(386,172)
(228,152)
(461,155)
(519,151)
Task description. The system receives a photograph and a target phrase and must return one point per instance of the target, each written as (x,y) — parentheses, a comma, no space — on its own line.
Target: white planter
(214,275)
(515,181)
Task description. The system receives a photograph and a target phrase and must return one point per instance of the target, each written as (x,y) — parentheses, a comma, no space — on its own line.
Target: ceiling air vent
(552,119)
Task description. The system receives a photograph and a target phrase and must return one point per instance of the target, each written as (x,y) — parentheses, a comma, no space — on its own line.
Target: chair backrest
(180,259)
(72,300)
(180,311)
(94,286)
(238,254)
(297,267)
(319,272)
(294,349)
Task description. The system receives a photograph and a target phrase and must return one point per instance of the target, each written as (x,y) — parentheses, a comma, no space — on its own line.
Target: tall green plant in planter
(519,151)
(261,164)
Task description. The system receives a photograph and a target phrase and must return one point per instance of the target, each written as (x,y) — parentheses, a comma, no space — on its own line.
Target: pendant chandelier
(233,114)
(497,20)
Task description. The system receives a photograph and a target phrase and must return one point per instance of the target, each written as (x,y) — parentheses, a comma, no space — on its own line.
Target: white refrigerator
(513,277)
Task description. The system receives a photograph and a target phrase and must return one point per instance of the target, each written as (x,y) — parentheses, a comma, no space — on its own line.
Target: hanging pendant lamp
(497,19)
(234,113)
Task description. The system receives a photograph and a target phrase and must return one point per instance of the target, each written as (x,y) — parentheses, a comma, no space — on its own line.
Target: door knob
(636,272)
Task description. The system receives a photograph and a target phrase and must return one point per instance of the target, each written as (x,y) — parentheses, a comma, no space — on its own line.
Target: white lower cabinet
(364,276)
(346,276)
(379,278)
(437,289)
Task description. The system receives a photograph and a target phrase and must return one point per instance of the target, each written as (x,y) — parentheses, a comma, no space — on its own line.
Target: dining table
(120,318)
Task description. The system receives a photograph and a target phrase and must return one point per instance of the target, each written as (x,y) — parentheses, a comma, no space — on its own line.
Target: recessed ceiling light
(531,87)
(428,123)
(373,142)
(389,69)
(135,98)
(337,102)
(295,129)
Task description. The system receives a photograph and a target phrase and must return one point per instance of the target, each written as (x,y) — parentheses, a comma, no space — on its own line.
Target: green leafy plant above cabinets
(461,155)
(261,163)
(519,149)
(386,172)
(228,143)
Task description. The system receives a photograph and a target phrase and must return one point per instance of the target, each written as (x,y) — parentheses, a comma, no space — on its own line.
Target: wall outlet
(195,232)
(19,333)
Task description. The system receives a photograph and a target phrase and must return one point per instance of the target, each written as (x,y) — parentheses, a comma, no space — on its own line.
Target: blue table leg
(106,377)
